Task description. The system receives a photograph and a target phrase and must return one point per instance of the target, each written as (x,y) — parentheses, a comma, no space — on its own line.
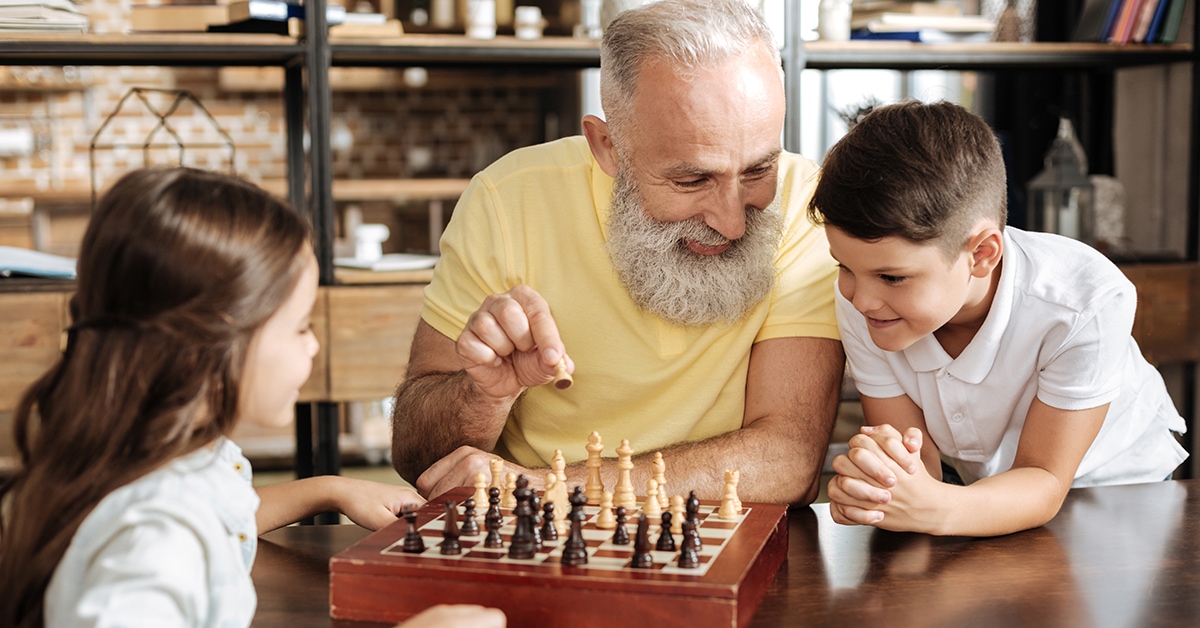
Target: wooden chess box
(374,580)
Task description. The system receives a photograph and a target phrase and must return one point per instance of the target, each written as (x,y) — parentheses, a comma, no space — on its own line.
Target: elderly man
(664,258)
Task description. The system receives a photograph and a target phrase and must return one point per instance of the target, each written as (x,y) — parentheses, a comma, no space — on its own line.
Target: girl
(131,505)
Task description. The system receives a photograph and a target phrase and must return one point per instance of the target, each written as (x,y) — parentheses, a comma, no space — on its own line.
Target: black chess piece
(493,505)
(666,542)
(621,535)
(642,558)
(549,532)
(470,526)
(522,546)
(535,507)
(575,550)
(413,543)
(692,508)
(689,558)
(450,544)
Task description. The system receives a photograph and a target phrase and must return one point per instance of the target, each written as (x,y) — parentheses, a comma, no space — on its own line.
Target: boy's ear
(986,247)
(600,142)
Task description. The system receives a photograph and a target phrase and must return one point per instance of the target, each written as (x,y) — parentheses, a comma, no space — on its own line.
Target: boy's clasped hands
(882,482)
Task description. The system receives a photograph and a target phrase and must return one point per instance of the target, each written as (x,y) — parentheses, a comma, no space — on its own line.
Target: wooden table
(1114,556)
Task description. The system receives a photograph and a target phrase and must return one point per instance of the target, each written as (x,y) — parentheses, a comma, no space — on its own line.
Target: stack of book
(1130,21)
(929,22)
(236,16)
(41,15)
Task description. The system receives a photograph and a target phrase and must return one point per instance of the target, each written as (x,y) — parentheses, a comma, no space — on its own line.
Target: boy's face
(904,290)
(280,356)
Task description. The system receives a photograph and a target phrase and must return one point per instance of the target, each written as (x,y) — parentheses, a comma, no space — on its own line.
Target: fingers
(456,616)
(846,510)
(895,446)
(867,461)
(517,320)
(459,467)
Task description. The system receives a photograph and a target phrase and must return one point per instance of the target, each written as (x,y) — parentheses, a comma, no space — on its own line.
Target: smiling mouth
(706,249)
(880,323)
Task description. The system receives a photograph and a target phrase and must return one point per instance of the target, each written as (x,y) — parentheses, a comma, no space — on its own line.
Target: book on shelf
(904,22)
(1171,22)
(922,35)
(861,14)
(238,16)
(16,261)
(1129,21)
(41,15)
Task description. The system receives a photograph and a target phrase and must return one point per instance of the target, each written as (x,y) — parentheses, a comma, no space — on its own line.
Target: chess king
(664,259)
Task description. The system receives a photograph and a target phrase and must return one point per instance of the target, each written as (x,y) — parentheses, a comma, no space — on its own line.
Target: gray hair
(685,33)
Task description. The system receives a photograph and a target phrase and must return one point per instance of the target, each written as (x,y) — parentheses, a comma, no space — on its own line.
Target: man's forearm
(437,412)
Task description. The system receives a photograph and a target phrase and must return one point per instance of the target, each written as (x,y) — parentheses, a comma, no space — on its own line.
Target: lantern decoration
(1061,195)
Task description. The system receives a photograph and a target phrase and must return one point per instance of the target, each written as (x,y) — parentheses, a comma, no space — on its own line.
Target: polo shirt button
(237,466)
(957,418)
(242,537)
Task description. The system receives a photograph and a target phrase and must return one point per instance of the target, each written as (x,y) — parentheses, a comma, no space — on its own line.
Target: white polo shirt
(1059,328)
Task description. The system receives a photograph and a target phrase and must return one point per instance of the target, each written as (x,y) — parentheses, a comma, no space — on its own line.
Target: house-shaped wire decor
(181,128)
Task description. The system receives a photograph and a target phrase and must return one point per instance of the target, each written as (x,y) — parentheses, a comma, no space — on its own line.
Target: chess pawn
(549,532)
(595,485)
(556,493)
(508,499)
(450,545)
(666,542)
(677,513)
(621,536)
(605,520)
(481,487)
(470,525)
(650,507)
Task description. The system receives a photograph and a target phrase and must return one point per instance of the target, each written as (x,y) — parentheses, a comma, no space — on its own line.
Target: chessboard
(376,580)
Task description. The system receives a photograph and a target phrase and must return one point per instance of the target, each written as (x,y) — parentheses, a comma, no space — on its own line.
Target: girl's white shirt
(173,548)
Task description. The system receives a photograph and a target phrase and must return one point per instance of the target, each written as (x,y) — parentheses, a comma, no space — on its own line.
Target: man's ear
(600,141)
(986,248)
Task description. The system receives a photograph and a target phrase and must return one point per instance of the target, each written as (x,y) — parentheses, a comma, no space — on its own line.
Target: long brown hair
(177,270)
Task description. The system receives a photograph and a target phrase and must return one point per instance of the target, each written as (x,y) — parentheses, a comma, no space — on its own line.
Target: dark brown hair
(177,271)
(922,172)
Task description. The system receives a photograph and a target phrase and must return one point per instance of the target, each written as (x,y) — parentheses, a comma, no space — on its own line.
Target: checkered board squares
(602,553)
(374,580)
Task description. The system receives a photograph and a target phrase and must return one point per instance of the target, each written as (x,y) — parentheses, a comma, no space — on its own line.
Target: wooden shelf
(901,55)
(162,49)
(452,50)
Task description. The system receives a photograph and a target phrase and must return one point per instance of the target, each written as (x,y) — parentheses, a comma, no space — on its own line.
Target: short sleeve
(802,301)
(474,260)
(1086,360)
(153,573)
(867,364)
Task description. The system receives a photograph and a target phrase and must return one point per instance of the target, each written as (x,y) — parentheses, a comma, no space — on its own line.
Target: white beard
(666,278)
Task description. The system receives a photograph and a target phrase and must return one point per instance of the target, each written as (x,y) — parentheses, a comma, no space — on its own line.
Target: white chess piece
(481,491)
(497,468)
(730,509)
(606,520)
(624,494)
(594,489)
(650,507)
(660,476)
(507,499)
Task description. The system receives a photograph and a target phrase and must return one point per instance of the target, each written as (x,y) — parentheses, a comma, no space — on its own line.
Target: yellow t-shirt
(538,216)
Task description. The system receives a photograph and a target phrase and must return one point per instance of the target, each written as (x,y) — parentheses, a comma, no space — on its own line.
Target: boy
(1006,353)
